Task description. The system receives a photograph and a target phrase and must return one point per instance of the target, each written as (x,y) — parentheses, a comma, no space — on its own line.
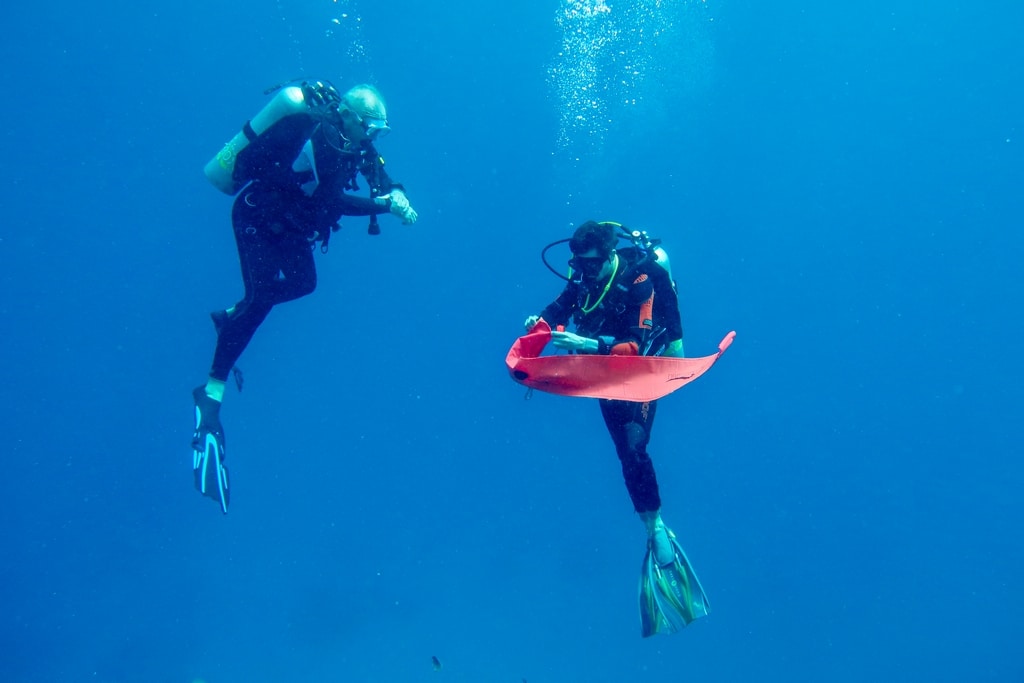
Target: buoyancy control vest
(666,325)
(666,337)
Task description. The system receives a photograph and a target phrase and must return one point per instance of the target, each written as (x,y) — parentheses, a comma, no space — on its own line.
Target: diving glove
(208,445)
(574,342)
(399,205)
(320,96)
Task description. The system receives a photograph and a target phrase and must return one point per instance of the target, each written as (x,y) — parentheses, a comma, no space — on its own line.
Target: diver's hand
(574,342)
(320,96)
(531,322)
(399,205)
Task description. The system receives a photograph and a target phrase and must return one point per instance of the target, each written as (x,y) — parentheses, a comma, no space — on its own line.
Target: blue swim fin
(208,450)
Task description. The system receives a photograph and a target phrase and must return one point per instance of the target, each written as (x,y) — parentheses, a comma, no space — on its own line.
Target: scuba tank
(307,98)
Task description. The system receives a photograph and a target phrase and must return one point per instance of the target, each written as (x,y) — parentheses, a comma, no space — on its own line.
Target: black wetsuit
(282,213)
(629,314)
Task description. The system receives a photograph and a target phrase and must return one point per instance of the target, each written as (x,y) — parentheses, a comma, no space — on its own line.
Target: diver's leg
(629,425)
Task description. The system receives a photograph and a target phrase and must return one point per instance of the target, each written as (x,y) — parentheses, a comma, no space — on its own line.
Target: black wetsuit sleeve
(333,201)
(353,205)
(328,208)
(331,196)
(558,311)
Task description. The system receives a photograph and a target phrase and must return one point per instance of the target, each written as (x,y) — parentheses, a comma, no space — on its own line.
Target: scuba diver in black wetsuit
(624,302)
(293,166)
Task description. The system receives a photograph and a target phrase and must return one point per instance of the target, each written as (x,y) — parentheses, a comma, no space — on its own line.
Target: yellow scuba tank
(221,168)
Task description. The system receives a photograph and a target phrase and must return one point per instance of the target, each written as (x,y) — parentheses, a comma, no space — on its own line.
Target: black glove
(320,95)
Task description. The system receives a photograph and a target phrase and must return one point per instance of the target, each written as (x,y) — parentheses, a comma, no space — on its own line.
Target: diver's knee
(636,439)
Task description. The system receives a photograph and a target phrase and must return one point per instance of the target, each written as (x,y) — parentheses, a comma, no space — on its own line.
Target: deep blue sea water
(841,185)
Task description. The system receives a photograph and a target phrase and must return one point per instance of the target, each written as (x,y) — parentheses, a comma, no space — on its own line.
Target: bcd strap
(248,132)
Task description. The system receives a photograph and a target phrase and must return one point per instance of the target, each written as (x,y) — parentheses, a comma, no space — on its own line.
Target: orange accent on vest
(647,312)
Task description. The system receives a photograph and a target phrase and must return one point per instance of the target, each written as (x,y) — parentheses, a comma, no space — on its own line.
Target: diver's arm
(354,205)
(558,311)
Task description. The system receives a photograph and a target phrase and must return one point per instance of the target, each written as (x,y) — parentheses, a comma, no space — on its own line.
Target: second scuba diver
(293,167)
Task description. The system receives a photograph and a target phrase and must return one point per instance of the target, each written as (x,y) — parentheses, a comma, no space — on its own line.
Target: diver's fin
(650,614)
(670,595)
(211,476)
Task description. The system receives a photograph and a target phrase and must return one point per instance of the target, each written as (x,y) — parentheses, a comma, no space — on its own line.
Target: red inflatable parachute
(624,378)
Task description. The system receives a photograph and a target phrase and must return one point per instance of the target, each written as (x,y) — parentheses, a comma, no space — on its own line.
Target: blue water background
(840,184)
